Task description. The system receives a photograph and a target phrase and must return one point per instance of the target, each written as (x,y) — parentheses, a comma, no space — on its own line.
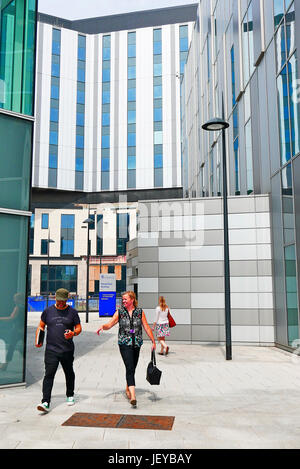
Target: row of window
(105,143)
(80,104)
(157,108)
(54,277)
(131,111)
(54,108)
(68,234)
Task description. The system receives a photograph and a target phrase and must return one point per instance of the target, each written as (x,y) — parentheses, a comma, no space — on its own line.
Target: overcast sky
(79,9)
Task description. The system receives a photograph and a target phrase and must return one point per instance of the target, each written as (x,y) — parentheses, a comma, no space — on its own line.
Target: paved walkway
(249,402)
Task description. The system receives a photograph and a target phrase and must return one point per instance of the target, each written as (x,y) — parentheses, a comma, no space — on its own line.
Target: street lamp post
(48,259)
(214,125)
(88,222)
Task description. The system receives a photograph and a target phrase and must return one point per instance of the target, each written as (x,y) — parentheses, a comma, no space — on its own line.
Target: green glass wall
(17,65)
(13,272)
(17,55)
(15,162)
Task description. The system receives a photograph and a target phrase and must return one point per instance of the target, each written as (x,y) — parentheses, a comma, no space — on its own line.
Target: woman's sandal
(167,350)
(133,402)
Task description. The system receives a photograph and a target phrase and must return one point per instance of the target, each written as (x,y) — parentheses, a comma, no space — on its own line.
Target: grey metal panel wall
(296,165)
(263,134)
(278,264)
(255,120)
(256,29)
(272,108)
(137,19)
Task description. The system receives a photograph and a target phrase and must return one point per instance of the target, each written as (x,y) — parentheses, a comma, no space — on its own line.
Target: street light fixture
(215,125)
(88,222)
(48,259)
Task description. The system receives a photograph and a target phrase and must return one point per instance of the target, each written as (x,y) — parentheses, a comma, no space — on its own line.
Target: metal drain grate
(145,422)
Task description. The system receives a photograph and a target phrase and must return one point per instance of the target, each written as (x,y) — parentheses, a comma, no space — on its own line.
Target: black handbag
(153,373)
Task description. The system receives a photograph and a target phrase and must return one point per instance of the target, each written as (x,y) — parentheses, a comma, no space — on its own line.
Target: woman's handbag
(153,373)
(172,322)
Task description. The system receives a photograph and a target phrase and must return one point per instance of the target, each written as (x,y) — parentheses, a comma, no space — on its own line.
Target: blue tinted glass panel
(131,140)
(79,141)
(52,161)
(53,138)
(53,115)
(184,44)
(105,97)
(80,119)
(45,221)
(105,75)
(105,141)
(105,164)
(131,73)
(105,119)
(131,50)
(80,75)
(106,53)
(131,117)
(157,69)
(54,92)
(81,53)
(158,91)
(131,162)
(55,48)
(79,164)
(158,161)
(80,97)
(157,48)
(158,114)
(132,94)
(55,70)
(67,246)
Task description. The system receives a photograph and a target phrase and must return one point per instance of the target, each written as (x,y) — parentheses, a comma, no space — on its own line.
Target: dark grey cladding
(126,21)
(53,198)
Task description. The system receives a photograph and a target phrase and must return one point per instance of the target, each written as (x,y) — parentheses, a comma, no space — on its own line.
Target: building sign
(107,295)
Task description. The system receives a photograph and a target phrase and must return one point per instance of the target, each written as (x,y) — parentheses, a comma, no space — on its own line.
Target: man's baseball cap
(62,294)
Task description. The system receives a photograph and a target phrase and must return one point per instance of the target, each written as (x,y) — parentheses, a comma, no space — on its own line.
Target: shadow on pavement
(84,343)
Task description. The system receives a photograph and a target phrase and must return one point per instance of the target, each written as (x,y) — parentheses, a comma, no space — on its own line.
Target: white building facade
(108,102)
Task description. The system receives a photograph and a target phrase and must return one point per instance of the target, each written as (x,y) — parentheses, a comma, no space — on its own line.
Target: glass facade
(122,233)
(54,108)
(67,235)
(60,276)
(286,266)
(157,105)
(80,113)
(131,110)
(105,142)
(17,55)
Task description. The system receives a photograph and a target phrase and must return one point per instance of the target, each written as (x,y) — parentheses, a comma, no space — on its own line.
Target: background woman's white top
(161,316)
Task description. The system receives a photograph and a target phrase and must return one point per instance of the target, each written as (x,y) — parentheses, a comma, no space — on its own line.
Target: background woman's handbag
(172,322)
(153,373)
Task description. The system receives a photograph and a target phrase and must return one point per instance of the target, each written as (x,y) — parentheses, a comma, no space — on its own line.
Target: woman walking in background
(161,324)
(130,338)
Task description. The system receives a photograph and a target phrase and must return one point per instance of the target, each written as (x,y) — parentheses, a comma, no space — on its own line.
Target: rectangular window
(249,160)
(131,110)
(106,98)
(67,235)
(58,276)
(45,221)
(54,107)
(44,246)
(122,232)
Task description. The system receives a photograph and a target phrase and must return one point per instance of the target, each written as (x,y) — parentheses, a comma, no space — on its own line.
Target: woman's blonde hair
(162,303)
(131,295)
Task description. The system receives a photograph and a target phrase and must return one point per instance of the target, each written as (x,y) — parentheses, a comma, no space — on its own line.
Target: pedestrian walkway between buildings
(249,402)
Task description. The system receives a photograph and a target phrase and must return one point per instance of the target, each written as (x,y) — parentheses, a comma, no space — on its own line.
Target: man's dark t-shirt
(57,321)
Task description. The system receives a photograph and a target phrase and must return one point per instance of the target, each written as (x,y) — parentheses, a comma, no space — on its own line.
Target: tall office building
(107,135)
(245,54)
(108,101)
(17,63)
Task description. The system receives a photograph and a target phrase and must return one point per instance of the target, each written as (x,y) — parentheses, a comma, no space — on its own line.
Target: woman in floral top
(130,338)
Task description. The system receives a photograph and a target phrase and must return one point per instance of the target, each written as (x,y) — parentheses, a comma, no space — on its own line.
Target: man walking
(63,323)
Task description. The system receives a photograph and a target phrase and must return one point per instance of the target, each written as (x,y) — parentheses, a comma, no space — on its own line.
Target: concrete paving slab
(249,402)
